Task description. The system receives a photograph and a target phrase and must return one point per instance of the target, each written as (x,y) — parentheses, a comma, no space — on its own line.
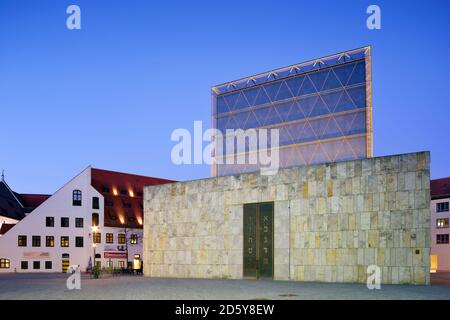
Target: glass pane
(320,108)
(359,74)
(307,87)
(331,82)
(318,79)
(344,72)
(358,96)
(295,84)
(284,92)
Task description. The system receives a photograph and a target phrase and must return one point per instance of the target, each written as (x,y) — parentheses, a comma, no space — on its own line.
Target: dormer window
(76,198)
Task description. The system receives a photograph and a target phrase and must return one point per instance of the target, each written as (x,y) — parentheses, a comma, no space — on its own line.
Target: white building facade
(440,216)
(72,227)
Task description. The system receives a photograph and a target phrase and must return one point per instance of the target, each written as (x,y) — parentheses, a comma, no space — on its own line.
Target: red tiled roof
(124,201)
(440,188)
(6,227)
(33,200)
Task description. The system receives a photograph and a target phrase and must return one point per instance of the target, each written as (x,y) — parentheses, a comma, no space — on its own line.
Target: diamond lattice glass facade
(322,108)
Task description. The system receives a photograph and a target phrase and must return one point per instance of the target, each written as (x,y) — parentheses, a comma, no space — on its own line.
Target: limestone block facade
(331,221)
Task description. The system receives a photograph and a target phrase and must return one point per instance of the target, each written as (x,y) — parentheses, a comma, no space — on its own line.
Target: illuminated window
(22,241)
(442,207)
(120,264)
(97,237)
(442,223)
(36,241)
(76,198)
(442,239)
(95,203)
(121,238)
(95,220)
(49,241)
(109,238)
(64,241)
(134,239)
(4,264)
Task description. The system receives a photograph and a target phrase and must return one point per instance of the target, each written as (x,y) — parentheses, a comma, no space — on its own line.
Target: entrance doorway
(258,240)
(65,262)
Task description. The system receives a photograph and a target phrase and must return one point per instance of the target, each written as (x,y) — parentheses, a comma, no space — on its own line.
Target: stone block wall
(331,221)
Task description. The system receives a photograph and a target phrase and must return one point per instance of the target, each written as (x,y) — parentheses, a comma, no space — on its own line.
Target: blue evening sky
(111,93)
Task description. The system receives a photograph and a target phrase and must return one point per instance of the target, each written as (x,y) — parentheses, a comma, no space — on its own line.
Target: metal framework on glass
(322,108)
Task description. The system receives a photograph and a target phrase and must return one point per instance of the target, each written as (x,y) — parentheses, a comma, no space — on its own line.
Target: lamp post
(93,260)
(94,244)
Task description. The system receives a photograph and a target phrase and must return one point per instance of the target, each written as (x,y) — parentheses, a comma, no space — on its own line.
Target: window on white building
(49,241)
(97,237)
(24,265)
(95,220)
(36,265)
(442,207)
(4,264)
(64,222)
(64,241)
(79,222)
(36,241)
(49,221)
(95,203)
(22,241)
(442,239)
(79,242)
(48,265)
(76,198)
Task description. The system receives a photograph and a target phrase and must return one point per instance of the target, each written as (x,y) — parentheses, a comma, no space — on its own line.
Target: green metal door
(265,240)
(250,250)
(258,240)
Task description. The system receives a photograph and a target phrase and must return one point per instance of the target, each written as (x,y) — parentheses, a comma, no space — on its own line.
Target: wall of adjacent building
(442,251)
(331,221)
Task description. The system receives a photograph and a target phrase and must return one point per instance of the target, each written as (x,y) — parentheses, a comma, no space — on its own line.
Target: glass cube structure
(322,109)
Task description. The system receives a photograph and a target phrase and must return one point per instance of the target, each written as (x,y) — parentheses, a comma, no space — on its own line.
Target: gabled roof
(440,188)
(5,227)
(123,193)
(32,201)
(10,205)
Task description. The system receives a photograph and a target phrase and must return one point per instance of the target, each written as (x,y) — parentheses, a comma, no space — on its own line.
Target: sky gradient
(110,95)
